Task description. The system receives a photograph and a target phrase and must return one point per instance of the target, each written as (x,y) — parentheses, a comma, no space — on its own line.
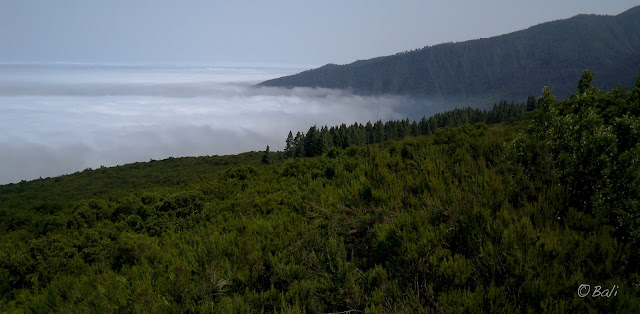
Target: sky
(89,83)
(285,33)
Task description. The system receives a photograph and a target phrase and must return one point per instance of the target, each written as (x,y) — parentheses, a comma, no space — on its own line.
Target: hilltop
(484,71)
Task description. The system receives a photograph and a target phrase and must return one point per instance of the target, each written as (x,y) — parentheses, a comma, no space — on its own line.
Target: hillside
(510,217)
(485,71)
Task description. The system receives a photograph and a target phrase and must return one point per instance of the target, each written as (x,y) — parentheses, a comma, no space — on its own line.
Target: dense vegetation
(509,217)
(511,66)
(317,142)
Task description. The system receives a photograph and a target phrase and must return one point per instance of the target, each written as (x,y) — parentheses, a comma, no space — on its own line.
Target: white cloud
(52,127)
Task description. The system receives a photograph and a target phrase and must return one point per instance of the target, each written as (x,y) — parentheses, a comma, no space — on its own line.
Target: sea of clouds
(62,118)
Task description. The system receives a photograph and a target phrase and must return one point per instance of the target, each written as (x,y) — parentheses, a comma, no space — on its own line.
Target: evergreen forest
(504,210)
(480,72)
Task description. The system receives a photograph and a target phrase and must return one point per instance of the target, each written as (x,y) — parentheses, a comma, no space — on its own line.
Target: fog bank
(56,120)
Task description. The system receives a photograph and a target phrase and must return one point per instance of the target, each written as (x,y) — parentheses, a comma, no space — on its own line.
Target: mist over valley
(62,118)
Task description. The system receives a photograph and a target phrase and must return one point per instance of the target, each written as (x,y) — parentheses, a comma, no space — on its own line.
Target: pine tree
(299,145)
(378,132)
(531,103)
(368,129)
(424,126)
(311,142)
(289,149)
(266,158)
(546,99)
(585,81)
(325,140)
(433,125)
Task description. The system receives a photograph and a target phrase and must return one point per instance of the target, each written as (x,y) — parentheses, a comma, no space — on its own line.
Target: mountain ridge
(510,66)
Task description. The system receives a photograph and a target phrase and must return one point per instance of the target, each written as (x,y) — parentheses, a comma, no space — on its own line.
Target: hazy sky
(295,32)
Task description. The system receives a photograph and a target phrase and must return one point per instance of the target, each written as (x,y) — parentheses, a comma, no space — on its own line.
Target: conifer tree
(424,126)
(585,81)
(546,99)
(266,158)
(369,132)
(325,140)
(531,103)
(299,145)
(378,131)
(289,149)
(312,142)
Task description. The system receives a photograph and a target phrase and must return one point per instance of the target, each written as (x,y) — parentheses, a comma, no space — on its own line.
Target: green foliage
(474,218)
(318,142)
(266,157)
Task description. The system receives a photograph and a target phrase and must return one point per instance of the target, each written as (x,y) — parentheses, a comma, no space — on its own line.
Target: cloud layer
(61,119)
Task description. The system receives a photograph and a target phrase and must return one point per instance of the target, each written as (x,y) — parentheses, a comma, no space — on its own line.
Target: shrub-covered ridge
(509,217)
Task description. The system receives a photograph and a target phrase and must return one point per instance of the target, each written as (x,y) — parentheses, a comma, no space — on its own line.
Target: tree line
(318,141)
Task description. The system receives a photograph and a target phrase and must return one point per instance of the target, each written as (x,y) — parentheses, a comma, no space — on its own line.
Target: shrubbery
(508,217)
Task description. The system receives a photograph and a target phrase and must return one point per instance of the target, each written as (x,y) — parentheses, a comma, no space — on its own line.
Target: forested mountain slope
(484,71)
(511,217)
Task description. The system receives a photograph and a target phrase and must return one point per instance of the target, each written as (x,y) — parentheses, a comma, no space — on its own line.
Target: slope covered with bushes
(509,217)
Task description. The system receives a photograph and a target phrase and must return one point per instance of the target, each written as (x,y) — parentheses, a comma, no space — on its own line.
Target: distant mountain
(511,66)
